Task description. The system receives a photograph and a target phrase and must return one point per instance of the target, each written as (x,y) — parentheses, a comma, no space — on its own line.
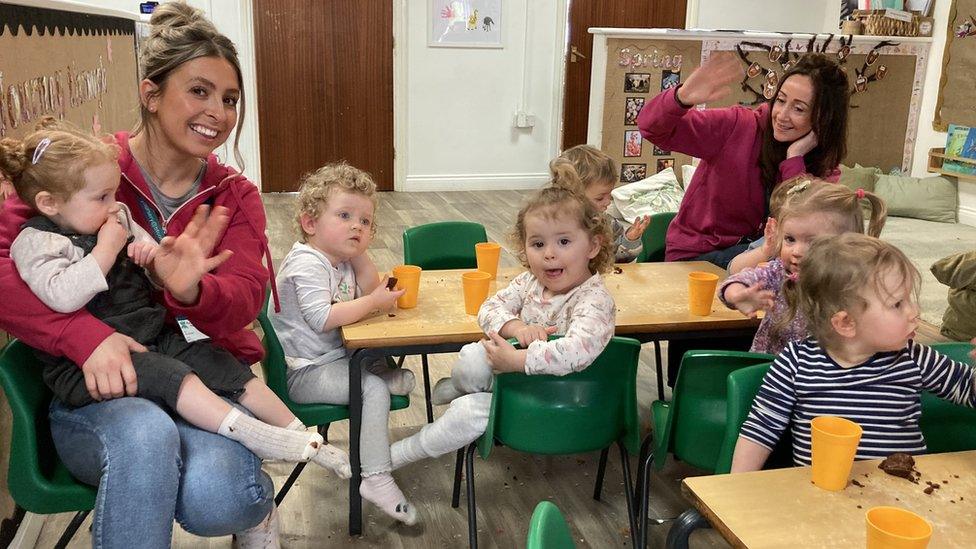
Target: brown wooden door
(584,14)
(325,87)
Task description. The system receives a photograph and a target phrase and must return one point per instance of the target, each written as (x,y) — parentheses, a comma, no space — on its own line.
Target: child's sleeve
(506,305)
(315,289)
(590,329)
(626,250)
(946,378)
(770,276)
(57,271)
(773,407)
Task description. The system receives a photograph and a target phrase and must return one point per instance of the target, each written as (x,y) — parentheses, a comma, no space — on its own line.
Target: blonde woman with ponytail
(811,208)
(150,466)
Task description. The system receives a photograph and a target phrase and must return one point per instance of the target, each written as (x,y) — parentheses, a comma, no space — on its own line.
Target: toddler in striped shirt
(861,363)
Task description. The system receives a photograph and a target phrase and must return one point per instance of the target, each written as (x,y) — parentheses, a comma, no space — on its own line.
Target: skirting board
(474,182)
(967,202)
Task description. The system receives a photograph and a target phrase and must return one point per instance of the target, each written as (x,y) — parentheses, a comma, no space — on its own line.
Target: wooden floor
(509,484)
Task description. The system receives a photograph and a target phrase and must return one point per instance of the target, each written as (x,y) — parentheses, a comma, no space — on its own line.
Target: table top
(651,298)
(783,508)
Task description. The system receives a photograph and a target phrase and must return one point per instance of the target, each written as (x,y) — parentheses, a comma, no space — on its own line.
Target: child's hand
(637,229)
(749,300)
(531,332)
(112,235)
(142,252)
(384,298)
(502,356)
(769,238)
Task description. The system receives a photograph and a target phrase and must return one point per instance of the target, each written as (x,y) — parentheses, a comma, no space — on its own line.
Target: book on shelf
(961,143)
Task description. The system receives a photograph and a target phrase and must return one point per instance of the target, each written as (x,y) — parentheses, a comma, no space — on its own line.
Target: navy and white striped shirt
(882,395)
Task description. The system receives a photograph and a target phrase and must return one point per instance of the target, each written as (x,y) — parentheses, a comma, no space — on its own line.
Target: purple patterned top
(771,276)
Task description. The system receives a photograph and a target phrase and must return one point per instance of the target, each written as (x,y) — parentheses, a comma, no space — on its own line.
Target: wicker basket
(875,23)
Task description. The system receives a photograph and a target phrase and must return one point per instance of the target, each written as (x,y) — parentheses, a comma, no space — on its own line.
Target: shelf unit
(937,157)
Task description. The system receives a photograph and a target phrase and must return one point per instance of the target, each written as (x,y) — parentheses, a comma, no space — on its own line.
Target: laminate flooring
(508,485)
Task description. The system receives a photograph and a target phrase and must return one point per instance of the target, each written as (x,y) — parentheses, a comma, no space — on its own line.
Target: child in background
(861,363)
(767,247)
(810,208)
(598,174)
(83,251)
(565,243)
(328,281)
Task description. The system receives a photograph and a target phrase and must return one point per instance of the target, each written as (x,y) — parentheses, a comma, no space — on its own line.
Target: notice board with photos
(957,85)
(632,66)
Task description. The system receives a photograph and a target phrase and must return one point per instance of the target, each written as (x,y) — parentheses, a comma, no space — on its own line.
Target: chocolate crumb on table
(901,465)
(617,270)
(856,483)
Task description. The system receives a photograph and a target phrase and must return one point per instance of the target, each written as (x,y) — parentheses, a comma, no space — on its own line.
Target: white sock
(334,459)
(263,536)
(382,491)
(296,425)
(400,381)
(406,451)
(268,441)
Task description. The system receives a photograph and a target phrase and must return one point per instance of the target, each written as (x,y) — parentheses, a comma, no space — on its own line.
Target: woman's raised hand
(182,261)
(711,80)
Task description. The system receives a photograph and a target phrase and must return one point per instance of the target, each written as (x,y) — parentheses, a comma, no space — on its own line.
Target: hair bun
(179,17)
(13,158)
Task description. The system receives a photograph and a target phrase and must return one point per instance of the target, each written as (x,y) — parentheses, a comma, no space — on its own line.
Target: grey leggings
(329,384)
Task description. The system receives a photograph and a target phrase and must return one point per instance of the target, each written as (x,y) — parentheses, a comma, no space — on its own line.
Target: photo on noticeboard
(664,163)
(669,79)
(632,143)
(637,82)
(632,108)
(632,172)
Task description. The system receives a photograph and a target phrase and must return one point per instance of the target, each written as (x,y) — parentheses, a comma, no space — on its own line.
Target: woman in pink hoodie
(152,468)
(745,152)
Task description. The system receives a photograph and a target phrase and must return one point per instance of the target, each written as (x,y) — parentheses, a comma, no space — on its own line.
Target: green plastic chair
(36,478)
(548,529)
(692,426)
(441,245)
(556,415)
(317,415)
(653,238)
(947,426)
(742,388)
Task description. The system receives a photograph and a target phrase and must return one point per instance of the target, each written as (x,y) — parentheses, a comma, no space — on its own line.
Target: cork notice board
(72,66)
(957,86)
(883,118)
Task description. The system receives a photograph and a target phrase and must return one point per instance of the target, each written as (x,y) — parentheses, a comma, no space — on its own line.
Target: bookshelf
(937,156)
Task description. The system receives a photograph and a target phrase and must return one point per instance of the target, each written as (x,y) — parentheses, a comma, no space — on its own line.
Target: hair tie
(40,148)
(860,194)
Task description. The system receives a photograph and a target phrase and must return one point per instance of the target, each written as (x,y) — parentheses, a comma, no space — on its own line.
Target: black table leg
(355,425)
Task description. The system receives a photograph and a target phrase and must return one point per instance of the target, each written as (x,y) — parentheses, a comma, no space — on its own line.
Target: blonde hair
(836,271)
(178,34)
(592,165)
(563,199)
(319,186)
(806,195)
(62,153)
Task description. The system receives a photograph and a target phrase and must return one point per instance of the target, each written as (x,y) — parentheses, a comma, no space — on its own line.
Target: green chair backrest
(575,413)
(548,529)
(742,387)
(948,427)
(696,422)
(653,238)
(36,478)
(443,245)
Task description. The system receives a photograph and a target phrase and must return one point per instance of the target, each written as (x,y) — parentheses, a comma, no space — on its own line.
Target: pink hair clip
(860,194)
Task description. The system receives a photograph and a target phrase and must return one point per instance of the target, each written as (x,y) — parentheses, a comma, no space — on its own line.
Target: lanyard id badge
(190,332)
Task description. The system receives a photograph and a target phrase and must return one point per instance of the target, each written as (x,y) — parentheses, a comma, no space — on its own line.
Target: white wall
(764,15)
(461,102)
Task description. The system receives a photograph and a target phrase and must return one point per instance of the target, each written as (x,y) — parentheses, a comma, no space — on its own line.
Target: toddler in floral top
(565,242)
(810,208)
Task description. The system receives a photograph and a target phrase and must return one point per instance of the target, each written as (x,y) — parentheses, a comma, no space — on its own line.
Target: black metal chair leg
(660,370)
(644,450)
(644,493)
(324,431)
(472,510)
(458,466)
(681,530)
(628,492)
(69,532)
(430,407)
(601,470)
(288,483)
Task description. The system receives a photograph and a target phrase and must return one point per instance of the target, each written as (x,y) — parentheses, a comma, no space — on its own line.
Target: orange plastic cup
(408,278)
(475,285)
(701,292)
(487,254)
(834,445)
(896,528)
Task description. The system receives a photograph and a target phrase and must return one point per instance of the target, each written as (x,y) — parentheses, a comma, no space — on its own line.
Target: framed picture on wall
(464,23)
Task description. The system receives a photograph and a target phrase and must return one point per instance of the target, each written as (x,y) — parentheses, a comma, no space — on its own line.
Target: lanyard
(154,222)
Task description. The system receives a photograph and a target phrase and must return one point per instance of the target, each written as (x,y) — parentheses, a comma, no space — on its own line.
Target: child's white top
(585,316)
(308,286)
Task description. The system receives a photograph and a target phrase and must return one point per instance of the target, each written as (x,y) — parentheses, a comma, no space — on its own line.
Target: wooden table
(782,507)
(652,305)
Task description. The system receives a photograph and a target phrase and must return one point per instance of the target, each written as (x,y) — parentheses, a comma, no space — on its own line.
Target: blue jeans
(151,467)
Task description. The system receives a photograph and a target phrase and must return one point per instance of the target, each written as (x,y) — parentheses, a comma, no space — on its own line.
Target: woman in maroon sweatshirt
(149,467)
(745,152)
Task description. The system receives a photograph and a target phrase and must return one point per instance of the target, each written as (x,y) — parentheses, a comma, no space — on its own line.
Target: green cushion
(859,177)
(931,198)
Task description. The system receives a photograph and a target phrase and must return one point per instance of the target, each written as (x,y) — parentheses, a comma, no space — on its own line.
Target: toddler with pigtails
(809,208)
